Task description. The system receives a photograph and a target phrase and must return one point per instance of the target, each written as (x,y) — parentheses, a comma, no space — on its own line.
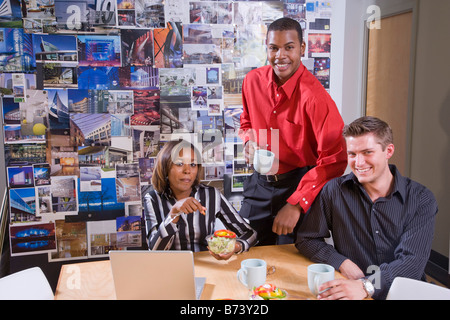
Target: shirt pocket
(292,134)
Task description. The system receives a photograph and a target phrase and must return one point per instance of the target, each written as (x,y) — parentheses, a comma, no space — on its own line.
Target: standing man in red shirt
(287,110)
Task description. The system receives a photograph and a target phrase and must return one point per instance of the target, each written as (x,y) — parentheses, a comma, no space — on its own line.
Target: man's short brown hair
(368,124)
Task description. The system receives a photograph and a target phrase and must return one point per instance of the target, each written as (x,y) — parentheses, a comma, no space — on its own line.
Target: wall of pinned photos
(91,90)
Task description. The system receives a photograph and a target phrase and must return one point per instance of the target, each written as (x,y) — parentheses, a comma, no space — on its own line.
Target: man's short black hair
(284,24)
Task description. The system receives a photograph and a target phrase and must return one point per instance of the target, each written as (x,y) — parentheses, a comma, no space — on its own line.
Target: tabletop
(93,280)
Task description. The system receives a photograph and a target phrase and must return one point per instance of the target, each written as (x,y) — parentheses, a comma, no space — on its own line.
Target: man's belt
(282,176)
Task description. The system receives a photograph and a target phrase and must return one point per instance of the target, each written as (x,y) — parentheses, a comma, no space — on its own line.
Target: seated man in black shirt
(381,223)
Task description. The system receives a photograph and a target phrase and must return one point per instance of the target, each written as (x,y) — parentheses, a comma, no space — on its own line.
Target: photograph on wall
(202,44)
(137,47)
(248,13)
(85,16)
(146,108)
(322,71)
(146,166)
(237,182)
(120,102)
(92,129)
(249,41)
(120,126)
(20,177)
(34,113)
(41,174)
(168,49)
(271,11)
(231,116)
(126,16)
(150,13)
(177,119)
(10,14)
(199,100)
(64,194)
(10,111)
(56,75)
(232,77)
(90,178)
(295,9)
(214,172)
(43,201)
(139,78)
(7,82)
(99,50)
(38,10)
(22,205)
(204,12)
(145,141)
(58,133)
(16,58)
(127,182)
(102,237)
(24,154)
(13,134)
(71,241)
(100,205)
(176,11)
(98,78)
(129,231)
(32,238)
(63,161)
(319,45)
(19,87)
(53,48)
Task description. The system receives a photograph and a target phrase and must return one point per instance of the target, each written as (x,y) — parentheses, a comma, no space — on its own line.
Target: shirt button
(377,232)
(278,94)
(314,186)
(274,112)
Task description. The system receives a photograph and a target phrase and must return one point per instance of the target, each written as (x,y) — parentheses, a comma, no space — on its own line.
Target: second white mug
(252,273)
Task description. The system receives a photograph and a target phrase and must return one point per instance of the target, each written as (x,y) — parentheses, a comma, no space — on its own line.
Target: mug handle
(316,284)
(240,278)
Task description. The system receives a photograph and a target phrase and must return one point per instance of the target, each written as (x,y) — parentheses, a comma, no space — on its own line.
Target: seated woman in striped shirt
(180,212)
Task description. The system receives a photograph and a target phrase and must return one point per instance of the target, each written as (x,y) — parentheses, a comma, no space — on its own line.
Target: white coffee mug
(263,160)
(252,273)
(318,274)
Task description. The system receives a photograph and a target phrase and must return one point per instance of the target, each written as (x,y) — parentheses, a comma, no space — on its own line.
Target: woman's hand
(237,248)
(186,205)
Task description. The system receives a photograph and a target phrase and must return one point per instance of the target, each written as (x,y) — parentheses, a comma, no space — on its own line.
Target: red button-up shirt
(300,123)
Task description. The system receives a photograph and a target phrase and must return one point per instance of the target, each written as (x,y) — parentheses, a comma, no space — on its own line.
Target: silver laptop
(155,275)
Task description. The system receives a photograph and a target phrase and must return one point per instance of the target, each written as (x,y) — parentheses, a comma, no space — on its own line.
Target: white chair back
(28,284)
(410,289)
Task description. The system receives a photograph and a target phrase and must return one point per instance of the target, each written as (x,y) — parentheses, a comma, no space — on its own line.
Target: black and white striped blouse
(388,238)
(191,230)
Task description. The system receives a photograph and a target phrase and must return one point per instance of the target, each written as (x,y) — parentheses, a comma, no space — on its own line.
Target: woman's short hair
(369,124)
(284,24)
(164,160)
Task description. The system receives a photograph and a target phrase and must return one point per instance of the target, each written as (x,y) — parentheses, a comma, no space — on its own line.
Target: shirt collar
(399,182)
(291,84)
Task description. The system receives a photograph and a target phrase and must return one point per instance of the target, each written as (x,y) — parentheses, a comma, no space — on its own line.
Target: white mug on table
(318,274)
(252,273)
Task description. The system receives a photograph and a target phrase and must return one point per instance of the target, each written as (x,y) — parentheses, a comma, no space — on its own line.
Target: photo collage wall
(92,89)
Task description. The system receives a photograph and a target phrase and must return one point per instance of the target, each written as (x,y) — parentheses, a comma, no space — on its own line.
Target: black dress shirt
(387,238)
(190,232)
